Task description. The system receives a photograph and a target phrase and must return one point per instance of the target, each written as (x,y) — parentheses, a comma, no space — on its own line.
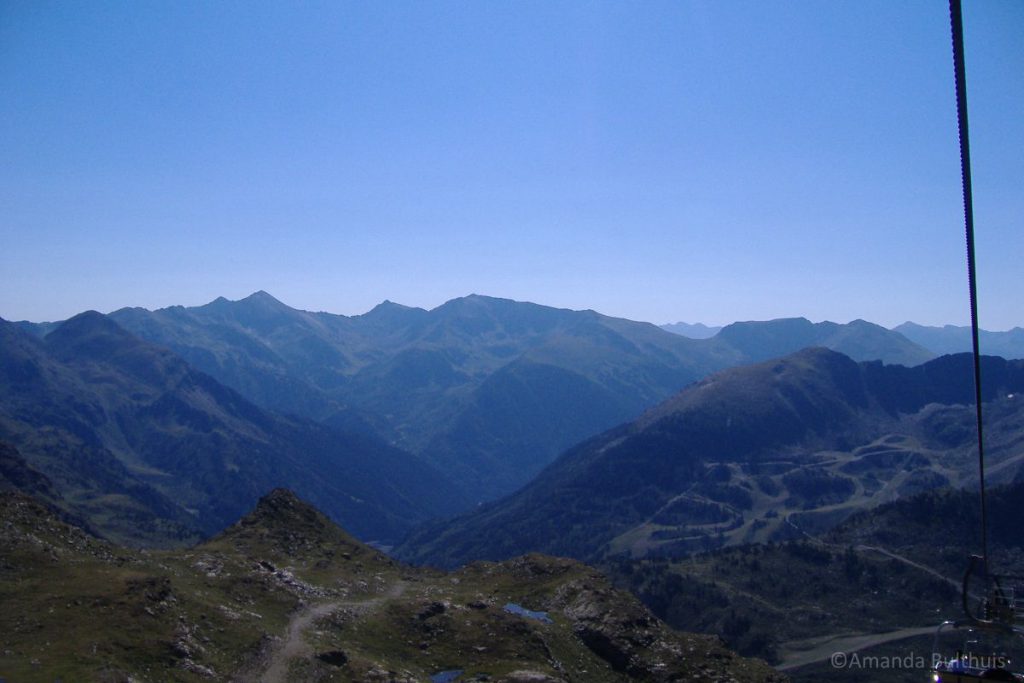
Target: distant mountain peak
(463,301)
(258,311)
(388,305)
(89,319)
(261,295)
(260,299)
(797,321)
(263,299)
(483,306)
(85,327)
(811,371)
(463,305)
(388,315)
(477,300)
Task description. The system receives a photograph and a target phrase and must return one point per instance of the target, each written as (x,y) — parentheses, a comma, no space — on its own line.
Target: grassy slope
(81,609)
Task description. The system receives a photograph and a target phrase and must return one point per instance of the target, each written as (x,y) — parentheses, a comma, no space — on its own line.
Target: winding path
(799,653)
(928,570)
(295,646)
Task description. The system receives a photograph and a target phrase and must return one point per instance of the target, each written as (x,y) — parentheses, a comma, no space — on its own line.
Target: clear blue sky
(661,161)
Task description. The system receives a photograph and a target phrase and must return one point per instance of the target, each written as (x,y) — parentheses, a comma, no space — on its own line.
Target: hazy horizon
(300,307)
(696,161)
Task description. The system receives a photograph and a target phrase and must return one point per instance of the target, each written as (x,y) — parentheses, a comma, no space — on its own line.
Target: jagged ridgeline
(284,594)
(488,390)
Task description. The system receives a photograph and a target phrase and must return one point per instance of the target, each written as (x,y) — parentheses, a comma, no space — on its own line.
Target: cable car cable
(956,21)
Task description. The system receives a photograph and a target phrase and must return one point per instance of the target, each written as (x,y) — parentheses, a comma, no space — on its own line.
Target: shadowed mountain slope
(488,389)
(149,450)
(746,454)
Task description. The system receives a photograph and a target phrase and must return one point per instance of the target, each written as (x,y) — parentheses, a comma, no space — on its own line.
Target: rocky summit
(285,595)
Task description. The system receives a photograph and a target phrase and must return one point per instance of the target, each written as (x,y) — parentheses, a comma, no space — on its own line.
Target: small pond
(513,608)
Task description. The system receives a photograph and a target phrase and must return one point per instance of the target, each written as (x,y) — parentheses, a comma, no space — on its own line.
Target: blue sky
(661,161)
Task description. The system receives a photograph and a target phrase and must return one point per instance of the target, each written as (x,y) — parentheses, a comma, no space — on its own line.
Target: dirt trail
(294,645)
(909,562)
(881,551)
(799,653)
(812,650)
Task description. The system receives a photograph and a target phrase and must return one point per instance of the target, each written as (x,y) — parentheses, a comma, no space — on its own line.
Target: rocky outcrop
(286,590)
(621,631)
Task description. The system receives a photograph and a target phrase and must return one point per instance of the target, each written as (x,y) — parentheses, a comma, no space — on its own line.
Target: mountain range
(460,404)
(129,437)
(937,341)
(487,390)
(751,454)
(954,339)
(860,340)
(764,339)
